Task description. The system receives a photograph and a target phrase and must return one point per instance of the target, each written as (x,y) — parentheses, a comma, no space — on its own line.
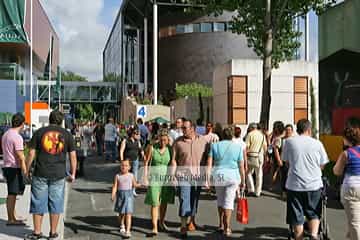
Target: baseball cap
(237,126)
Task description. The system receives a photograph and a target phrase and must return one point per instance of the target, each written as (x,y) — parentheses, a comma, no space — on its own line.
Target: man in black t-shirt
(51,144)
(99,133)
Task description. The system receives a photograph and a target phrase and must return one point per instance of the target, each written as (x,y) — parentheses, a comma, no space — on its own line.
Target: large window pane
(219,27)
(206,27)
(196,27)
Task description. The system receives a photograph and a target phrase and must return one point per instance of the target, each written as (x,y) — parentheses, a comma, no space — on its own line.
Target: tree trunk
(266,90)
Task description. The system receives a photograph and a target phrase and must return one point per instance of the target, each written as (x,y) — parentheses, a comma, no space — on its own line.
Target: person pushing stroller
(306,157)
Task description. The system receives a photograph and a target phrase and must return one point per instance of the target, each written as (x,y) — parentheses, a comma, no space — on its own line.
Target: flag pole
(31,65)
(50,72)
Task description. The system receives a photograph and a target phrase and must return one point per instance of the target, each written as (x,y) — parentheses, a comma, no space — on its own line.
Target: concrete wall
(129,108)
(339,29)
(189,108)
(193,57)
(282,105)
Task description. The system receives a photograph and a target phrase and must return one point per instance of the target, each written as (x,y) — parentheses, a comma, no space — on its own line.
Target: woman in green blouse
(159,193)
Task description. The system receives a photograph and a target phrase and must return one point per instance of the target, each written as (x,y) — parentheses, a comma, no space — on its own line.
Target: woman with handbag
(159,193)
(226,169)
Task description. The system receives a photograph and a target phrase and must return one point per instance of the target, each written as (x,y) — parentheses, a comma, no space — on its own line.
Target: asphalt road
(90,213)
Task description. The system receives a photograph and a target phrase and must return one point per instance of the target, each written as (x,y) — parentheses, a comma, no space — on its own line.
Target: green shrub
(192,90)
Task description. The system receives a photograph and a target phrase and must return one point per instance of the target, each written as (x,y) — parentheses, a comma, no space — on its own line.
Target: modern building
(189,46)
(339,72)
(15,39)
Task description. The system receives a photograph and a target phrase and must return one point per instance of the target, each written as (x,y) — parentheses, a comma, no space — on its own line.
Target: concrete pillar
(155,50)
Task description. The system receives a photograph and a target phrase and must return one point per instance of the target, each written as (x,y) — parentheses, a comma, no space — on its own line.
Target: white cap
(237,126)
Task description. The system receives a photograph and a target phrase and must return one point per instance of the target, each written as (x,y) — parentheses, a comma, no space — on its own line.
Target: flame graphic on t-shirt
(53,142)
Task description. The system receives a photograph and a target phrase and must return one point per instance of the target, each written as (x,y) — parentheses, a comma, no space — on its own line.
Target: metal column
(155,50)
(307,38)
(145,55)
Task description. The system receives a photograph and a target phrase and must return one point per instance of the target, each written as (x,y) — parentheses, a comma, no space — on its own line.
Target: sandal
(34,236)
(53,236)
(163,227)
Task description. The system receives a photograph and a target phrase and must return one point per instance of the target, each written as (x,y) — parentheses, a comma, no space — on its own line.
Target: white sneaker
(134,193)
(122,229)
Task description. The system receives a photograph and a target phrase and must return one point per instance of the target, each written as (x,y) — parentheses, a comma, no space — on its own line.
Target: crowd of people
(183,158)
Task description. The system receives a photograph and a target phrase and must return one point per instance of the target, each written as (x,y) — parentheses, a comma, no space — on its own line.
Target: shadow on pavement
(263,233)
(14,231)
(76,228)
(92,190)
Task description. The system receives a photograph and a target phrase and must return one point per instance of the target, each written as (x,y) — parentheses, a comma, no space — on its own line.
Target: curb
(62,225)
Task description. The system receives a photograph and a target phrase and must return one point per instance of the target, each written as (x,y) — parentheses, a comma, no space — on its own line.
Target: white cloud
(82,35)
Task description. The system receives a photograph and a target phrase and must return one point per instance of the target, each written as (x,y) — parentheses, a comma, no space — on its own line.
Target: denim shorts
(303,204)
(47,196)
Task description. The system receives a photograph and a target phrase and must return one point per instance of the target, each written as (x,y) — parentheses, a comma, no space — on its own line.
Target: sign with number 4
(141,111)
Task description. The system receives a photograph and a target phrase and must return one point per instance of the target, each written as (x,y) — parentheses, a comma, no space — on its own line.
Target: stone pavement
(22,209)
(90,213)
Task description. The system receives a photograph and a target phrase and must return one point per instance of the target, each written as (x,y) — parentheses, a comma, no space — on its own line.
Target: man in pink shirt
(14,165)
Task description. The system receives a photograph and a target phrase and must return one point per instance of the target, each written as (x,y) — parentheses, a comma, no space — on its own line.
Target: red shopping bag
(242,214)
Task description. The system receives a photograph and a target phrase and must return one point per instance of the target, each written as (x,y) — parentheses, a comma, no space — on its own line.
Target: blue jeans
(47,196)
(110,150)
(189,193)
(135,168)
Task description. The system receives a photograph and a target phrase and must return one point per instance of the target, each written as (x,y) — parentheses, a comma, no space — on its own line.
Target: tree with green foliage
(70,76)
(192,90)
(111,77)
(269,28)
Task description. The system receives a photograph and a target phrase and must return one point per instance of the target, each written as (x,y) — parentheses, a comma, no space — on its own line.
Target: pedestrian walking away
(99,133)
(228,175)
(14,167)
(110,140)
(306,157)
(255,148)
(51,145)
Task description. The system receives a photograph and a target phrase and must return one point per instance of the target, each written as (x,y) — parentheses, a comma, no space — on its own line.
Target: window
(196,27)
(228,27)
(180,29)
(237,100)
(206,27)
(189,28)
(300,98)
(219,27)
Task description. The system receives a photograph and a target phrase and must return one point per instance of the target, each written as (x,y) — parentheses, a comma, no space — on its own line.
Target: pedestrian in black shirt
(51,144)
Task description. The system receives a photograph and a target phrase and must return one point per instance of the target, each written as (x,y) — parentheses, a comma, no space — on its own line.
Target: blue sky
(109,12)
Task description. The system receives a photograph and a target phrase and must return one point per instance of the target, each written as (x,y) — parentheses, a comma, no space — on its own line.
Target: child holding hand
(122,192)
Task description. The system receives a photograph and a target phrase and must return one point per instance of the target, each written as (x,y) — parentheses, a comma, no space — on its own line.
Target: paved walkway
(90,213)
(22,209)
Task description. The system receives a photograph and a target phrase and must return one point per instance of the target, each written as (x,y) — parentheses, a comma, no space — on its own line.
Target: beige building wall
(282,89)
(129,107)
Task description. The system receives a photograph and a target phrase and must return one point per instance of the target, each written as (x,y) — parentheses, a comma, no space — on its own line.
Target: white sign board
(141,111)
